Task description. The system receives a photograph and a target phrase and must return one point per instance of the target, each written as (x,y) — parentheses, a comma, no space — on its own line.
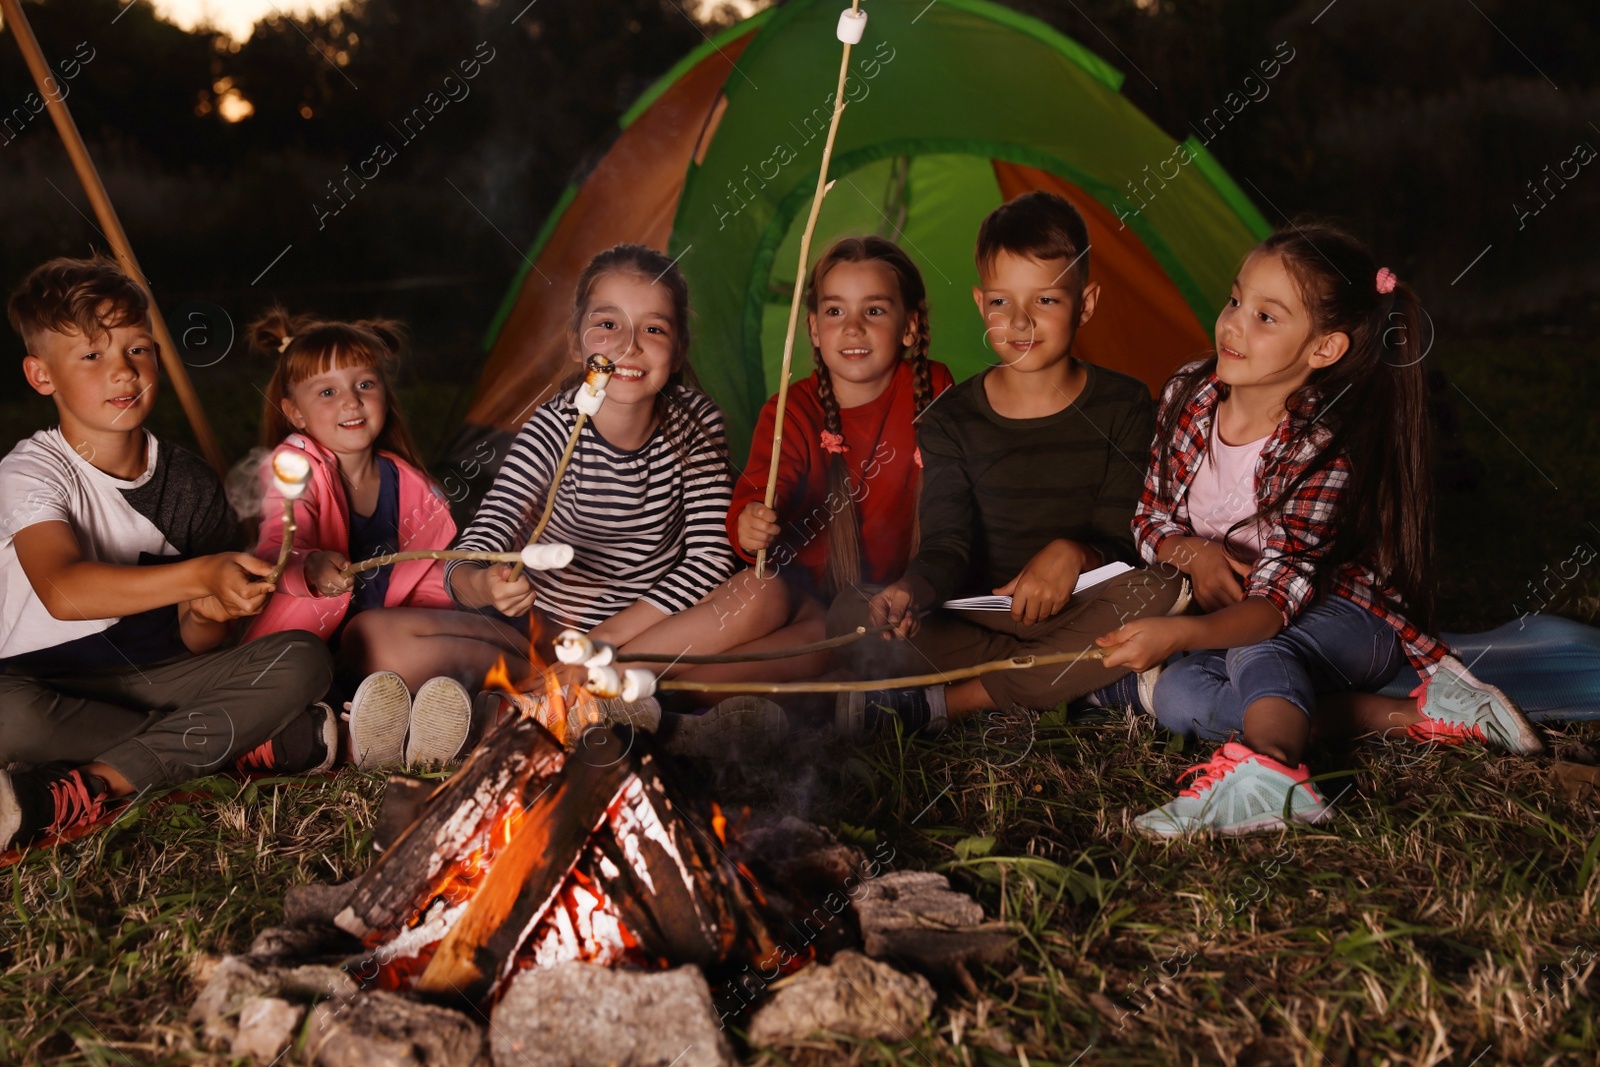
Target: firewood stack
(531,856)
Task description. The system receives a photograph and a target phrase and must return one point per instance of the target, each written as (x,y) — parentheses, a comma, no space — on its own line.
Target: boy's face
(104,384)
(1032,309)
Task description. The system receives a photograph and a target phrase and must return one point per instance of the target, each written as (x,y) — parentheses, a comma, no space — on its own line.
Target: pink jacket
(322,521)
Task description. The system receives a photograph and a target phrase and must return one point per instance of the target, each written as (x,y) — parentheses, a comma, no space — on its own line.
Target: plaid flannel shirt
(1285,573)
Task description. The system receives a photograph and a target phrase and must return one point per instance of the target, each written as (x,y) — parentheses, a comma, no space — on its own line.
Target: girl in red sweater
(850,471)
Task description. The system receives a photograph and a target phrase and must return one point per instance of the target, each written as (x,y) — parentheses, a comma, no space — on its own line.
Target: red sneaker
(52,799)
(308,745)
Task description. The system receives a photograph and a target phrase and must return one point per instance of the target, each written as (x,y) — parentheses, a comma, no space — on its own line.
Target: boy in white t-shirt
(117,578)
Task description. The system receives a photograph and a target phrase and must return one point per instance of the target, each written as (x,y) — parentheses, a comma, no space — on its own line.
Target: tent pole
(823,185)
(112,227)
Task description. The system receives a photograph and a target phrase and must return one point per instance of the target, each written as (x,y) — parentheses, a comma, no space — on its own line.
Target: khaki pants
(167,722)
(948,640)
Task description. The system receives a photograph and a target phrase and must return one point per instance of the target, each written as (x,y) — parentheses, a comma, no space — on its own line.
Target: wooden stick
(754,657)
(288,541)
(799,289)
(111,226)
(434,553)
(555,483)
(1018,663)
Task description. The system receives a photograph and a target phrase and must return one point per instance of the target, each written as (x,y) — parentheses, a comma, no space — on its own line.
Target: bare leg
(1274,727)
(421,643)
(962,699)
(740,610)
(1355,714)
(808,625)
(115,782)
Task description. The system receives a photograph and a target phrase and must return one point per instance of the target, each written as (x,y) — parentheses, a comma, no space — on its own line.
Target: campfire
(537,857)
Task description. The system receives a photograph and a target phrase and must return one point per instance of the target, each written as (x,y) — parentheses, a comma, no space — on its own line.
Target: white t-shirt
(1224,491)
(174,510)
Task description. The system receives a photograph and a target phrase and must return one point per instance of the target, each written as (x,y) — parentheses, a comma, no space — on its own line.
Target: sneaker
(309,744)
(441,718)
(52,799)
(1238,792)
(919,710)
(1456,706)
(607,711)
(744,725)
(1136,692)
(379,714)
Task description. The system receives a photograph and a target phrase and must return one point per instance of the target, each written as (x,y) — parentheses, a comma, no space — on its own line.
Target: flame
(719,823)
(499,677)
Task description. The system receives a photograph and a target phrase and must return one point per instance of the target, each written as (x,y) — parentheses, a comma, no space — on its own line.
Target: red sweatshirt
(881,443)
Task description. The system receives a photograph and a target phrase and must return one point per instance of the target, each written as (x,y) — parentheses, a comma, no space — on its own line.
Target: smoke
(243,484)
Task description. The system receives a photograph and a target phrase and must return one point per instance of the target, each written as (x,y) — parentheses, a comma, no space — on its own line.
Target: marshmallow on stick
(291,473)
(547,557)
(590,395)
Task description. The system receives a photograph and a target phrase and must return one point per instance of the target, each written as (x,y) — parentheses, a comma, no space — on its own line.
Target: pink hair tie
(834,442)
(916,457)
(1386,280)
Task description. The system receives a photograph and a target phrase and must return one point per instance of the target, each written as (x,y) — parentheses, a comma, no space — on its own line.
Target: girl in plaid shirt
(1290,481)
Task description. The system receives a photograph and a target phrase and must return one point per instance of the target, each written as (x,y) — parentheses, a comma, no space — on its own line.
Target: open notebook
(1003,603)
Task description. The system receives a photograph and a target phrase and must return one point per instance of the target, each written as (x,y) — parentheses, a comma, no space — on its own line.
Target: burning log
(498,779)
(526,875)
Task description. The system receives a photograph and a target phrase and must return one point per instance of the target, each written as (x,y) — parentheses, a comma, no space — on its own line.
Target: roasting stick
(291,473)
(1018,663)
(636,683)
(754,657)
(587,400)
(852,24)
(533,557)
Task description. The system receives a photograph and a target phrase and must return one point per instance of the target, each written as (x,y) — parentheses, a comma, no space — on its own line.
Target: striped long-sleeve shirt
(644,525)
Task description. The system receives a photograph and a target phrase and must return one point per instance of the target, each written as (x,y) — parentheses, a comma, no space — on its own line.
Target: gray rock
(382,1029)
(914,918)
(290,942)
(238,979)
(266,1027)
(852,995)
(582,1015)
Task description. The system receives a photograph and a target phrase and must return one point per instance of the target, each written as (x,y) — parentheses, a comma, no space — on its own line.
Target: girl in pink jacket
(330,400)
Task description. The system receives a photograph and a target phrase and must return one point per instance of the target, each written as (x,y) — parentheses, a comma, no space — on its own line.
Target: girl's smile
(343,409)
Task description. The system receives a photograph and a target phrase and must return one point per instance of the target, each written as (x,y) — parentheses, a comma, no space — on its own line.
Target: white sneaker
(1455,705)
(441,718)
(1239,791)
(379,713)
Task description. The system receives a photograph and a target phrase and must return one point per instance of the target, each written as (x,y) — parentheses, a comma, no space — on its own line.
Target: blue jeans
(1335,646)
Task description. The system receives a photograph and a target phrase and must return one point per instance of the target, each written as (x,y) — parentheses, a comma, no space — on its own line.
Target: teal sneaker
(1238,792)
(1456,706)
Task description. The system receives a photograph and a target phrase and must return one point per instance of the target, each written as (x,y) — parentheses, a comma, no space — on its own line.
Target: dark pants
(167,723)
(948,640)
(1334,646)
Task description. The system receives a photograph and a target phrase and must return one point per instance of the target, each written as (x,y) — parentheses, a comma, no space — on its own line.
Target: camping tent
(953,108)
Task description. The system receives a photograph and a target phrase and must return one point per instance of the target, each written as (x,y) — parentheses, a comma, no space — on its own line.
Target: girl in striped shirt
(642,503)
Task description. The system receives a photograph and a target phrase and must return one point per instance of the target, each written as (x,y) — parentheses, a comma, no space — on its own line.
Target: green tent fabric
(953,108)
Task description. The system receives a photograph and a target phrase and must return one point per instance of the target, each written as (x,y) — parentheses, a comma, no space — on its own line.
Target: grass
(1448,915)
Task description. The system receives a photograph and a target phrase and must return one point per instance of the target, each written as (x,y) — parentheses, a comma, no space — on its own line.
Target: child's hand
(1213,573)
(207,609)
(898,605)
(323,577)
(758,527)
(229,578)
(1045,584)
(1143,643)
(508,597)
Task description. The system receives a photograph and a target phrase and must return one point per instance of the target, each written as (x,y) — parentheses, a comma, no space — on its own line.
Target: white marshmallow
(604,682)
(587,402)
(573,647)
(852,25)
(291,473)
(546,557)
(638,683)
(603,655)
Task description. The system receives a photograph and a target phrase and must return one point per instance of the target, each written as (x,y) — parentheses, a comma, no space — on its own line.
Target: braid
(844,531)
(922,396)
